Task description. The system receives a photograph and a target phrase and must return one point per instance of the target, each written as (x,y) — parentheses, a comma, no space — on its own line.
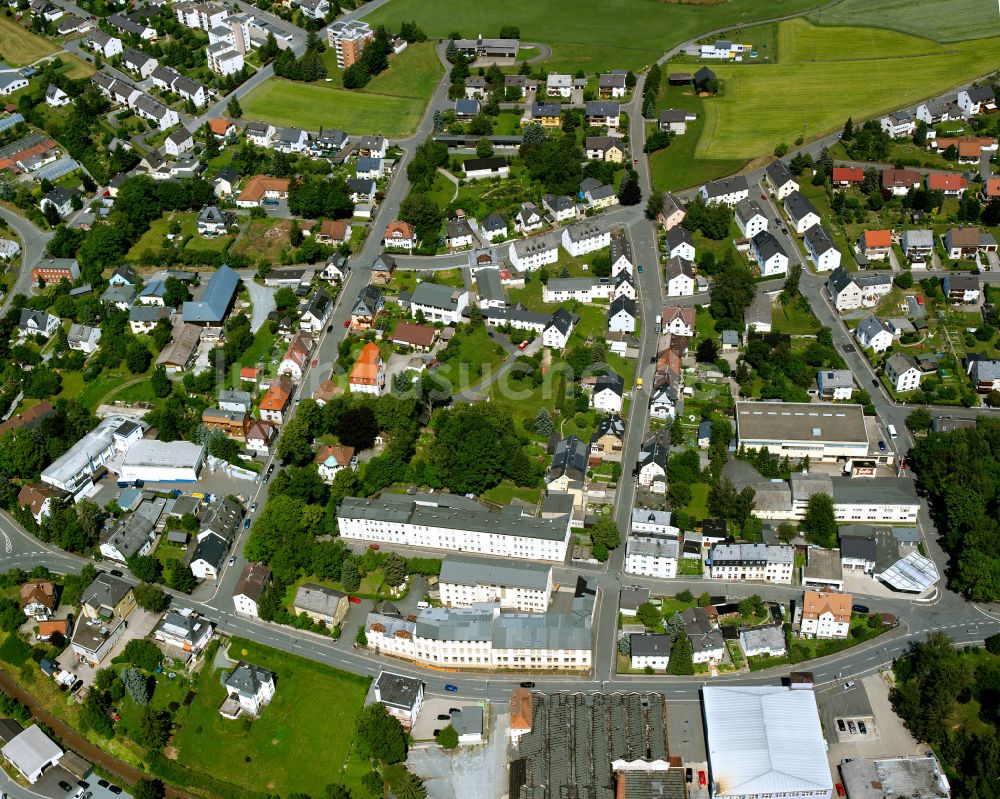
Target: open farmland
(943,21)
(311,106)
(824,75)
(605,37)
(19,46)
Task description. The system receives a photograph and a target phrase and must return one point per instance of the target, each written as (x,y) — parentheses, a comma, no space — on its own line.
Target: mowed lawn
(413,73)
(816,95)
(943,21)
(615,34)
(299,743)
(19,46)
(311,106)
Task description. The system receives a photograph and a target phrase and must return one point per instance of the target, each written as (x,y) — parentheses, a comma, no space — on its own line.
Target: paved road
(33,241)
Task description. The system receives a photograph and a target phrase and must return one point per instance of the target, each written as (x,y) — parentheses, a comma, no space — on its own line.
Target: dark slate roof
(703,74)
(562,320)
(779,174)
(767,245)
(819,240)
(622,303)
(678,234)
(570,458)
(212,550)
(798,206)
(642,644)
(839,280)
(611,381)
(611,424)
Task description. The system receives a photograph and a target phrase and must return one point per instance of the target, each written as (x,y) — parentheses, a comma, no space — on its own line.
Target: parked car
(875,382)
(232,560)
(840,725)
(452,689)
(114,789)
(523,345)
(376,547)
(117,573)
(65,786)
(246,524)
(852,728)
(639,267)
(443,717)
(763,196)
(354,600)
(862,728)
(253,508)
(840,790)
(347,323)
(527,685)
(701,778)
(859,609)
(847,687)
(103,783)
(688,775)
(882,446)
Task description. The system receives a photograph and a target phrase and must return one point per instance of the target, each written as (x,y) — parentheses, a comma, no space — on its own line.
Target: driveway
(262,298)
(466,771)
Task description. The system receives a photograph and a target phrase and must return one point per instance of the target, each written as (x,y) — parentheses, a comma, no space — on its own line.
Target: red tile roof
(878,238)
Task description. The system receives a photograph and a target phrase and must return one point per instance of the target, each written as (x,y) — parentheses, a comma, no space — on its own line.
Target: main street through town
(944,611)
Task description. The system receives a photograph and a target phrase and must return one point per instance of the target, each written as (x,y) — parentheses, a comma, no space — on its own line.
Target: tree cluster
(374,60)
(307,67)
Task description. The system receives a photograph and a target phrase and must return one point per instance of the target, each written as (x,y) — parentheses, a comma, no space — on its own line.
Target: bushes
(15,650)
(141,653)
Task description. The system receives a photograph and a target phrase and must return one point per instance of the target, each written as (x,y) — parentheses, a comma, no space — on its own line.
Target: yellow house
(107,598)
(321,604)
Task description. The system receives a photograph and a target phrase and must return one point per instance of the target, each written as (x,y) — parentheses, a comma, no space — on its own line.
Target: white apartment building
(223,58)
(466,581)
(652,555)
(657,522)
(586,236)
(528,255)
(903,372)
(760,562)
(825,615)
(649,651)
(439,303)
(457,526)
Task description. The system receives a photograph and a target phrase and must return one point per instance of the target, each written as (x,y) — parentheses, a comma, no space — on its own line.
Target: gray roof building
(464,570)
(569,458)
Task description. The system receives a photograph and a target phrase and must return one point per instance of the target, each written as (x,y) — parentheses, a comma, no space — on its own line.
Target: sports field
(19,46)
(310,106)
(614,34)
(944,20)
(824,75)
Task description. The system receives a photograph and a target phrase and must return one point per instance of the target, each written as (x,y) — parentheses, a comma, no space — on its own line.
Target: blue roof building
(216,299)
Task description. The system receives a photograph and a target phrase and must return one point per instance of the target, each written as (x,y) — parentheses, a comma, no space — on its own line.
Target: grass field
(824,75)
(314,706)
(944,21)
(311,106)
(605,37)
(19,46)
(413,73)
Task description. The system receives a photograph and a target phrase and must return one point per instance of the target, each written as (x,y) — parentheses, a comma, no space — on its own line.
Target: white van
(892,430)
(423,605)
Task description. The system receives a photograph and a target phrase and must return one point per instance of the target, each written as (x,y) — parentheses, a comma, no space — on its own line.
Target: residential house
(604,148)
(680,276)
(611,85)
(260,436)
(250,588)
(37,323)
(568,469)
(801,213)
(60,199)
(977,99)
(459,233)
(249,688)
(382,270)
(292,140)
(872,334)
(780,179)
(766,640)
(749,218)
(728,191)
(608,441)
(548,115)
(835,384)
(850,291)
(651,464)
(622,260)
(936,111)
(527,255)
(38,599)
(825,615)
(400,236)
(847,176)
(759,562)
(528,219)
(984,374)
(373,146)
(821,250)
(261,134)
(104,43)
(902,372)
(179,142)
(680,244)
(515,84)
(959,287)
(416,337)
(602,113)
(769,254)
(622,315)
(672,214)
(366,307)
(184,630)
(675,120)
(56,97)
(39,499)
(368,373)
(489,288)
(948,183)
(875,244)
(557,332)
(899,181)
(84,338)
(439,303)
(213,222)
(402,696)
(332,459)
(224,59)
(475,88)
(609,393)
(649,650)
(677,320)
(560,208)
(967,242)
(557,85)
(321,604)
(138,62)
(348,40)
(316,312)
(143,318)
(277,400)
(899,125)
(705,637)
(466,109)
(918,245)
(493,227)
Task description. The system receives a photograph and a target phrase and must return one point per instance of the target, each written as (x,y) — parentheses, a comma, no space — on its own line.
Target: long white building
(820,430)
(441,521)
(74,470)
(465,581)
(483,637)
(652,555)
(756,562)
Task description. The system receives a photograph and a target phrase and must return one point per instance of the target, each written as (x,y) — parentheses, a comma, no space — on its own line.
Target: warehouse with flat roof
(163,461)
(764,741)
(823,431)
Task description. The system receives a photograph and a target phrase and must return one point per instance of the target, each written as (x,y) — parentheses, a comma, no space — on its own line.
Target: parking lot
(429,719)
(867,701)
(479,770)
